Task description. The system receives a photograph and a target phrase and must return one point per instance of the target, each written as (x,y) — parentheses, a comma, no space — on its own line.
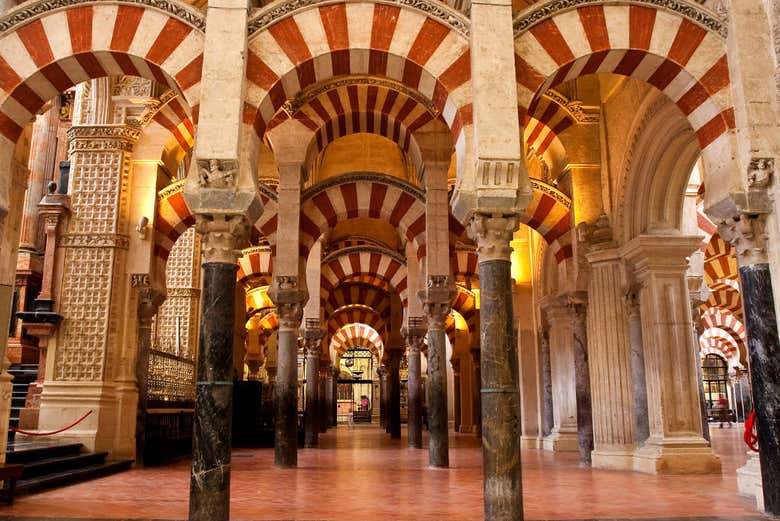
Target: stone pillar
(333,394)
(748,234)
(436,299)
(641,421)
(500,400)
(563,437)
(547,416)
(289,300)
(699,297)
(455,363)
(610,362)
(148,303)
(211,437)
(578,310)
(414,334)
(312,343)
(394,393)
(382,372)
(676,444)
(476,399)
(325,374)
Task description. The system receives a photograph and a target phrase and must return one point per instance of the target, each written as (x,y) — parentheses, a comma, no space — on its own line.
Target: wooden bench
(9,473)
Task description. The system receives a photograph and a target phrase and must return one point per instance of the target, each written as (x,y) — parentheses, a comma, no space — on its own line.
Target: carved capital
(222,236)
(760,172)
(312,341)
(218,173)
(436,299)
(493,232)
(414,334)
(149,298)
(289,300)
(577,303)
(748,235)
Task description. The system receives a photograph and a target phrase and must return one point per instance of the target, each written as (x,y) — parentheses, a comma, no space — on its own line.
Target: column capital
(312,338)
(382,372)
(667,253)
(414,334)
(149,298)
(493,233)
(748,234)
(222,236)
(436,299)
(289,300)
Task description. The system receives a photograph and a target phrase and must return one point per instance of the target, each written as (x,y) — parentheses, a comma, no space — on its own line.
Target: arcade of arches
(546,226)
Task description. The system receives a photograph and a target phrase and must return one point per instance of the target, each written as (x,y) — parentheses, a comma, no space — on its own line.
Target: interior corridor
(359,473)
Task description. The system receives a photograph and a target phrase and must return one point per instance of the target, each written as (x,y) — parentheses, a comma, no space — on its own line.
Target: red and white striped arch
(717,345)
(727,299)
(356,314)
(255,263)
(544,124)
(56,49)
(374,262)
(319,42)
(464,264)
(356,294)
(466,304)
(268,324)
(684,60)
(724,319)
(174,217)
(174,118)
(356,335)
(549,213)
(350,196)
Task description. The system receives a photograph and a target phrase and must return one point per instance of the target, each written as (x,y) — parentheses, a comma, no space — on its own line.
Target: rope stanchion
(30,433)
(751,437)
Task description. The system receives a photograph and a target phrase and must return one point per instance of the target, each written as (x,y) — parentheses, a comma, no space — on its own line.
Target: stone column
(641,420)
(563,437)
(699,297)
(476,399)
(455,363)
(394,393)
(211,437)
(325,374)
(676,443)
(334,401)
(578,310)
(289,300)
(547,417)
(382,372)
(748,234)
(148,303)
(312,344)
(500,400)
(436,299)
(414,334)
(610,362)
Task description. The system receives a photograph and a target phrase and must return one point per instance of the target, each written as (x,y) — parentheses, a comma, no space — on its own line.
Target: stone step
(72,476)
(60,464)
(35,451)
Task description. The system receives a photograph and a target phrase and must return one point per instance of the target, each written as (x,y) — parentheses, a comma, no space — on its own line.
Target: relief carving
(492,234)
(217,173)
(222,236)
(748,235)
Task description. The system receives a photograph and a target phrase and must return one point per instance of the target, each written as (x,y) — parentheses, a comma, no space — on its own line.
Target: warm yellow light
(257,298)
(521,262)
(460,322)
(476,297)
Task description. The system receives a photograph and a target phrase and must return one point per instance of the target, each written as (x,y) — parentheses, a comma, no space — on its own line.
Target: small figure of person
(364,403)
(723,409)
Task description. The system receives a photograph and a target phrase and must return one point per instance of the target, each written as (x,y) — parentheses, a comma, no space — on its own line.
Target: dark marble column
(456,393)
(503,497)
(578,309)
(149,301)
(548,419)
(638,381)
(748,234)
(289,300)
(436,298)
(211,437)
(414,334)
(312,338)
(322,417)
(476,399)
(333,382)
(394,394)
(382,372)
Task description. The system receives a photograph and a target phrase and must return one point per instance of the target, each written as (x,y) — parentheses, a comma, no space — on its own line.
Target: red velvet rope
(20,431)
(751,438)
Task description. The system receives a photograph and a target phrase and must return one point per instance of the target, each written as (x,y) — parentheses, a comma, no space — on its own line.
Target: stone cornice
(95,240)
(103,137)
(291,107)
(29,11)
(364,249)
(156,106)
(572,108)
(362,176)
(693,12)
(439,11)
(551,191)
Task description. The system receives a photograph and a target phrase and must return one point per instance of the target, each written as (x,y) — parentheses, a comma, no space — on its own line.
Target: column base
(562,442)
(676,456)
(620,457)
(530,442)
(749,482)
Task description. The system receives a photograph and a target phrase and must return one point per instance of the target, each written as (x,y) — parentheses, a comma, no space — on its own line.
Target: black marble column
(456,393)
(334,404)
(311,426)
(394,394)
(322,418)
(414,394)
(382,372)
(548,418)
(499,392)
(582,382)
(438,439)
(211,437)
(145,314)
(761,325)
(286,441)
(476,399)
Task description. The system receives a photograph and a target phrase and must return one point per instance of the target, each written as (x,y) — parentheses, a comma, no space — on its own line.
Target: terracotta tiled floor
(360,474)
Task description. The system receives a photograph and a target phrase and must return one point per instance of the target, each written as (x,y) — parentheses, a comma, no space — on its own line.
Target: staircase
(51,464)
(24,375)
